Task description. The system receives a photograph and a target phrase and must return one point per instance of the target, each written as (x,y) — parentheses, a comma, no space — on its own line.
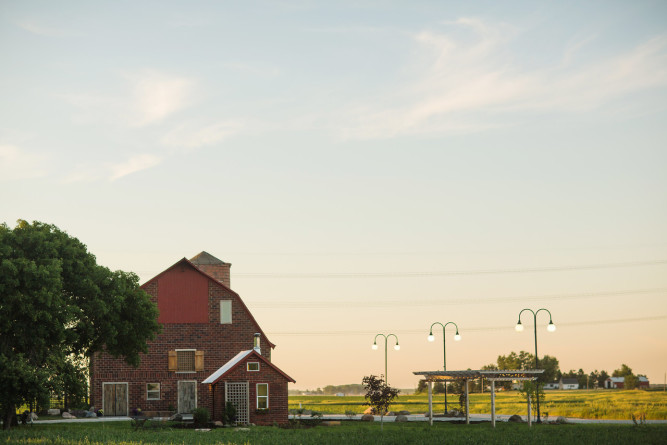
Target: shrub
(229,416)
(201,416)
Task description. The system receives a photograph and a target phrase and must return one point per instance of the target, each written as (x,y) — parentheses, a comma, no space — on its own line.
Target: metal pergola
(501,375)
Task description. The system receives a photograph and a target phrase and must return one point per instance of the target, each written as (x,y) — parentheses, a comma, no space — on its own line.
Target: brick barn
(211,351)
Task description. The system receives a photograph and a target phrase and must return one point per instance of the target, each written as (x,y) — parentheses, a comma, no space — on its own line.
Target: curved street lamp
(375,346)
(431,338)
(551,327)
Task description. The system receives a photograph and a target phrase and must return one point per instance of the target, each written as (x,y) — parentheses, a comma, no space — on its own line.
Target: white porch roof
(227,366)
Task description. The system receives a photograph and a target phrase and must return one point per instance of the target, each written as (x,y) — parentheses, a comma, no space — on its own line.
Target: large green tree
(56,305)
(526,360)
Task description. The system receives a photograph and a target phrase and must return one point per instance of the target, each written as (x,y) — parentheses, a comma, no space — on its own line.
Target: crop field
(349,433)
(592,404)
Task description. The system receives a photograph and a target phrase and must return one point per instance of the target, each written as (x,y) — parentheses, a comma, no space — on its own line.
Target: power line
(300,275)
(489,328)
(362,302)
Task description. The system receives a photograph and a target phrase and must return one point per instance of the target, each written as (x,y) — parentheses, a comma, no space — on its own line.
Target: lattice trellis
(237,393)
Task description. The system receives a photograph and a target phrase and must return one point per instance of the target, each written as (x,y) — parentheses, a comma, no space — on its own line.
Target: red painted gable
(182,296)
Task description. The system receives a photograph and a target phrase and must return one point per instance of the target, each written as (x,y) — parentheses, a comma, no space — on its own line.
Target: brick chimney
(212,266)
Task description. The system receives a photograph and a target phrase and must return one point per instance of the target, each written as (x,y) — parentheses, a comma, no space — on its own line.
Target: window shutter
(173,361)
(199,360)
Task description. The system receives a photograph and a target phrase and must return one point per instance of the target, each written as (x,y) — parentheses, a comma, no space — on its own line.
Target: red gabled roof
(193,266)
(238,359)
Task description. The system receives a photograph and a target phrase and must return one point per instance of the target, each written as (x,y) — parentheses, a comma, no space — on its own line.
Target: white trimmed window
(253,366)
(152,391)
(262,396)
(225,311)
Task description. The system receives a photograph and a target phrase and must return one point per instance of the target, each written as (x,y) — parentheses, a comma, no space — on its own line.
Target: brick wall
(220,272)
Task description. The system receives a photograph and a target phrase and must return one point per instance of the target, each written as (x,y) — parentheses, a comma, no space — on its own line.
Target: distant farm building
(569,383)
(619,382)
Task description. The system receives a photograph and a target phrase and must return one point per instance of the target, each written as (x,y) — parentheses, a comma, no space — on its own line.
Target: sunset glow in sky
(366,167)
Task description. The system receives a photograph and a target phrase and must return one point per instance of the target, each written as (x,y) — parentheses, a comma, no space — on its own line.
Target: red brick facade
(218,342)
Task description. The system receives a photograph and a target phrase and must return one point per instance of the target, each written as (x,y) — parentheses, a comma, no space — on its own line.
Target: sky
(368,167)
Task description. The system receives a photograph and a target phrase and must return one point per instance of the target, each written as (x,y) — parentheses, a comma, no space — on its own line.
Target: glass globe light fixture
(431,337)
(519,326)
(457,337)
(397,347)
(375,346)
(551,327)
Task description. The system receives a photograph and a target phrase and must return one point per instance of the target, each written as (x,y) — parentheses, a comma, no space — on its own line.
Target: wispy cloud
(16,164)
(193,135)
(133,164)
(469,84)
(156,95)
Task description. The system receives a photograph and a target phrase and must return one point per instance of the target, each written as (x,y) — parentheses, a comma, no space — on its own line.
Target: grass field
(585,404)
(350,433)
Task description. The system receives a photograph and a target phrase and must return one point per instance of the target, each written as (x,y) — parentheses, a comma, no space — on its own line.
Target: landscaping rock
(79,413)
(67,415)
(561,419)
(367,418)
(515,418)
(218,423)
(92,409)
(53,412)
(401,418)
(90,414)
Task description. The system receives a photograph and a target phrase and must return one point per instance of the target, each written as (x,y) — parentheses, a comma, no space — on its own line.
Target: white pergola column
(430,403)
(530,423)
(493,403)
(467,405)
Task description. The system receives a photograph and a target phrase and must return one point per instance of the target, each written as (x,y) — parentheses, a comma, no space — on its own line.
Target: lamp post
(431,338)
(396,347)
(550,327)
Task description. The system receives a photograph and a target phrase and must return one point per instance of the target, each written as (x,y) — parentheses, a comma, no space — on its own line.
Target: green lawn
(600,404)
(350,433)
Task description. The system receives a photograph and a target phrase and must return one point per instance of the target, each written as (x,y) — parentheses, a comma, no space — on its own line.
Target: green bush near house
(201,416)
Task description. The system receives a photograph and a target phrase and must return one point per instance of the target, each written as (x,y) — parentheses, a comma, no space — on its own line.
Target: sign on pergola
(500,375)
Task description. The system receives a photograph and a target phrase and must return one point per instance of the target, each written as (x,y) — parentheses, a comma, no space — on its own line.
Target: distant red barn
(206,328)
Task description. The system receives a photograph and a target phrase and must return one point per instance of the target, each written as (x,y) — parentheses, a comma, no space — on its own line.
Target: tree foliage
(379,395)
(623,371)
(56,305)
(526,360)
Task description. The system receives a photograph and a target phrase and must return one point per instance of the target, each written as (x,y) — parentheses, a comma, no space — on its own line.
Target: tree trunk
(8,417)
